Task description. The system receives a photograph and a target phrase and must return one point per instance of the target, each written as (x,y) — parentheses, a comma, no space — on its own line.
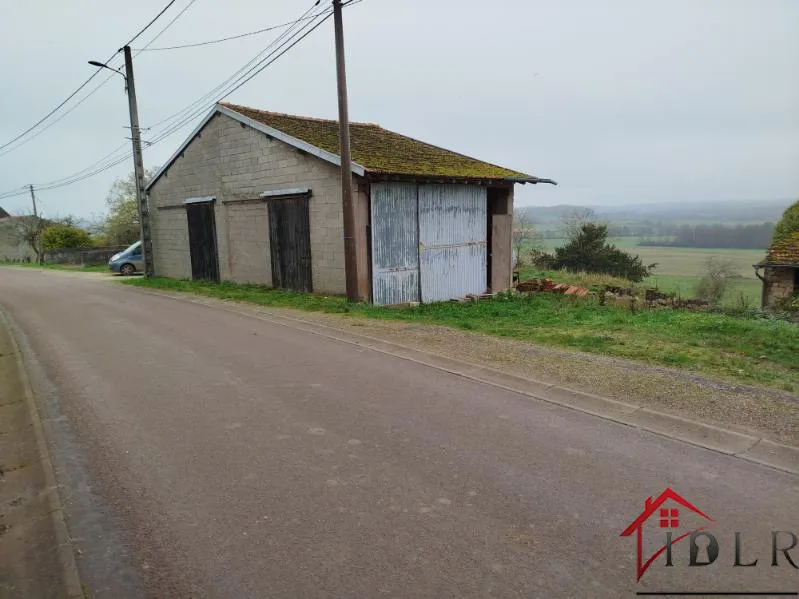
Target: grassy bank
(746,349)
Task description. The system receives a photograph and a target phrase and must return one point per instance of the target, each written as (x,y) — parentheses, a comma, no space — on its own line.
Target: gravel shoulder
(762,412)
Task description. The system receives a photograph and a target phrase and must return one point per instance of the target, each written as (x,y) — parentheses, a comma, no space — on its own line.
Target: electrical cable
(244,78)
(168,25)
(203,100)
(302,37)
(13,194)
(83,85)
(49,114)
(91,93)
(224,39)
(109,160)
(146,27)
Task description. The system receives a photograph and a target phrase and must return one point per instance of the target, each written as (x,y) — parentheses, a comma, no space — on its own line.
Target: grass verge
(753,350)
(69,267)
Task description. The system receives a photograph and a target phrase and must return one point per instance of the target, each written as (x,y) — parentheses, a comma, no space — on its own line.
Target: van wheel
(126,270)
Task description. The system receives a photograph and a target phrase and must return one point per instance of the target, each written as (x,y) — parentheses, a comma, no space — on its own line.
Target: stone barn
(255,197)
(780,272)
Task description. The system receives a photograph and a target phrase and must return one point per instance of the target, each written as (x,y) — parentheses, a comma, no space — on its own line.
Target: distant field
(619,242)
(679,269)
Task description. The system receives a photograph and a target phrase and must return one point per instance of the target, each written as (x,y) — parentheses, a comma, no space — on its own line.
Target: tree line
(118,227)
(754,237)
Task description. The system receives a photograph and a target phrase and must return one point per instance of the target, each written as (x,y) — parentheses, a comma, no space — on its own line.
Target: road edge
(752,448)
(66,555)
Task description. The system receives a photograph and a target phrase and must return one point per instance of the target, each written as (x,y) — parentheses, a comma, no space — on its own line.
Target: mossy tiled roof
(381,151)
(785,251)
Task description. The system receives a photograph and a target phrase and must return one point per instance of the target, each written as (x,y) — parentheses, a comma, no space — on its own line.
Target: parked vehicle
(128,262)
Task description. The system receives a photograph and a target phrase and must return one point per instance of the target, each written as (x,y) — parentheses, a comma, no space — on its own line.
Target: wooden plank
(501,233)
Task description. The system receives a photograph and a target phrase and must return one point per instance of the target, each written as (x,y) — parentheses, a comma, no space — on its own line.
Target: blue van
(128,262)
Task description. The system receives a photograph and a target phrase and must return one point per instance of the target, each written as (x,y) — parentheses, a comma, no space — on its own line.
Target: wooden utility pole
(350,258)
(34,232)
(138,168)
(33,199)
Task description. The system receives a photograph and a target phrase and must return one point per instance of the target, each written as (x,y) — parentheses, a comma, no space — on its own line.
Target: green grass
(746,349)
(71,267)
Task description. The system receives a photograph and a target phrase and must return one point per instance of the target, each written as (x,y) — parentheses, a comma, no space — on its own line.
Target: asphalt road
(206,453)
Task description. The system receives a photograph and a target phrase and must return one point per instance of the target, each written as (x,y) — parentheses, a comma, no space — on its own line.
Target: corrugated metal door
(395,243)
(202,241)
(290,244)
(452,241)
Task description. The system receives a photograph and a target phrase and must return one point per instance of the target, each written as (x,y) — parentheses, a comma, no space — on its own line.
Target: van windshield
(133,248)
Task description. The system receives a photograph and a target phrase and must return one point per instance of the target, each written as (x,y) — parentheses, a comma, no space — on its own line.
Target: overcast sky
(620,101)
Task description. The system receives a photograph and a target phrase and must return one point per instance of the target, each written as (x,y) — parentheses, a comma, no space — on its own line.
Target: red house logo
(667,518)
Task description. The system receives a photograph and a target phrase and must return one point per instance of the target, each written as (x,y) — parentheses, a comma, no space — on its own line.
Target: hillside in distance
(733,212)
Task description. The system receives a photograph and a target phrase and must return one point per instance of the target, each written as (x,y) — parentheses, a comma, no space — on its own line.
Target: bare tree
(523,235)
(29,231)
(713,284)
(574,220)
(121,226)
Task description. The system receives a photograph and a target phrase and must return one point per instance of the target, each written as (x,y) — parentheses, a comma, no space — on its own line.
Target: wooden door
(290,244)
(202,241)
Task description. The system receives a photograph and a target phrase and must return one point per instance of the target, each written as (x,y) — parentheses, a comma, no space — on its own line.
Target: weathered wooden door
(452,241)
(290,244)
(395,243)
(202,241)
(500,259)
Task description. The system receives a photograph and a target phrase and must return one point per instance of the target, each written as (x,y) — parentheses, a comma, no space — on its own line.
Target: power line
(49,114)
(203,100)
(146,27)
(111,157)
(87,175)
(12,194)
(242,79)
(302,37)
(91,93)
(168,25)
(110,160)
(61,116)
(224,39)
(102,166)
(83,85)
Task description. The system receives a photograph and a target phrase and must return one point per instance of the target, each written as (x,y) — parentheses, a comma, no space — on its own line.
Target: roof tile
(785,251)
(381,151)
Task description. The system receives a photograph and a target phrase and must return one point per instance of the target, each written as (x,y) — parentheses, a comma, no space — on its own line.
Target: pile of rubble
(618,295)
(548,285)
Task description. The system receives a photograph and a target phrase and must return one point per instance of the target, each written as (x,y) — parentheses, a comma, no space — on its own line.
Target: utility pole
(33,199)
(138,168)
(36,229)
(350,259)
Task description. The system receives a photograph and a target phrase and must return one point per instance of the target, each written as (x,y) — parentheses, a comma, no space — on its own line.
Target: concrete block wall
(247,232)
(236,164)
(170,232)
(252,163)
(194,174)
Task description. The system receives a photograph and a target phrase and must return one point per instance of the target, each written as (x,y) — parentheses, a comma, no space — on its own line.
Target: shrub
(589,251)
(59,236)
